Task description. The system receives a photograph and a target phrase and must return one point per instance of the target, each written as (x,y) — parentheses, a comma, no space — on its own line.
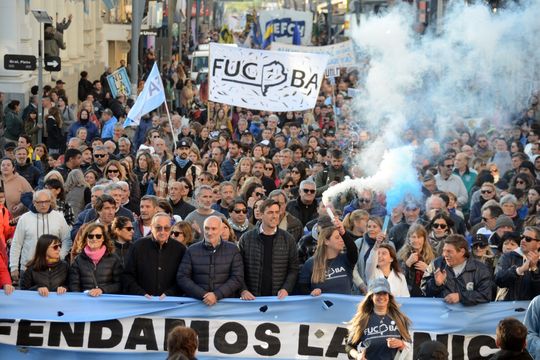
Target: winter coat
(51,278)
(14,125)
(524,287)
(284,261)
(29,228)
(29,172)
(207,269)
(106,275)
(151,268)
(294,227)
(301,211)
(474,284)
(5,278)
(6,230)
(122,251)
(55,138)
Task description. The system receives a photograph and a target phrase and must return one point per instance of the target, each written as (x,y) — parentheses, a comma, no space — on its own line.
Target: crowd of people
(224,202)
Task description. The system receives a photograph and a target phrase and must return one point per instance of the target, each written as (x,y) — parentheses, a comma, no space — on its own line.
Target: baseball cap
(60,82)
(379,285)
(183,144)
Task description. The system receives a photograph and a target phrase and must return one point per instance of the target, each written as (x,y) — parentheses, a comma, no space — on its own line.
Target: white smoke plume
(478,65)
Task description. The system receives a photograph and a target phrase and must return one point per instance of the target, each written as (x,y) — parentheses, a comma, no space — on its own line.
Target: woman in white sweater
(383,262)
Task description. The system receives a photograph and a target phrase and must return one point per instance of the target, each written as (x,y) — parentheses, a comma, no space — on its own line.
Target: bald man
(212,269)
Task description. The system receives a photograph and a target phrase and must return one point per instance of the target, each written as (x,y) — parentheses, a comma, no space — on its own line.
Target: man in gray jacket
(270,257)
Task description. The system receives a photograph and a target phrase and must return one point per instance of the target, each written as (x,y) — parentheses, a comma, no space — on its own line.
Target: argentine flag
(150,98)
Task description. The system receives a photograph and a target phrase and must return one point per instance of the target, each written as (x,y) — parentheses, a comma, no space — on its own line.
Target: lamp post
(43,18)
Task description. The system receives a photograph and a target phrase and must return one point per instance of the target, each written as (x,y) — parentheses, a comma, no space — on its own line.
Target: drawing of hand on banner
(265,80)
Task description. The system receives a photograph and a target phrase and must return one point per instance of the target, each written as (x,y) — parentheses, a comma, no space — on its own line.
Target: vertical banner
(265,80)
(119,82)
(281,24)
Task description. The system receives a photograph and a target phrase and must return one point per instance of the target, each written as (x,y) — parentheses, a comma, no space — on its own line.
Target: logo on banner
(285,27)
(266,76)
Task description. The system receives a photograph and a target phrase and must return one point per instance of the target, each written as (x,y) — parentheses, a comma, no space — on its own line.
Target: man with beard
(258,171)
(227,194)
(180,166)
(235,154)
(332,174)
(148,208)
(204,195)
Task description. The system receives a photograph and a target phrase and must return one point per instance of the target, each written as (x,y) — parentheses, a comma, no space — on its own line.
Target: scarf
(181,162)
(240,228)
(95,255)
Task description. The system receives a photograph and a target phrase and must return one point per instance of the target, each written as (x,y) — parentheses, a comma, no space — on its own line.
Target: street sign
(52,63)
(19,62)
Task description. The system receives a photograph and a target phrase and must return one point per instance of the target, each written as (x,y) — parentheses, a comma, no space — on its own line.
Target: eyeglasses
(238,211)
(269,168)
(94,236)
(129,228)
(448,166)
(295,172)
(364,200)
(177,233)
(527,238)
(288,186)
(42,202)
(55,246)
(440,226)
(521,182)
(486,191)
(113,171)
(309,191)
(259,194)
(100,155)
(162,228)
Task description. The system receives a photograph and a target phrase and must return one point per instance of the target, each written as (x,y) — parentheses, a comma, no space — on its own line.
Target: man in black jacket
(212,269)
(270,257)
(304,208)
(153,262)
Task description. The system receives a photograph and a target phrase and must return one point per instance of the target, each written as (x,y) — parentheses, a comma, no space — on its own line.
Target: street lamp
(43,18)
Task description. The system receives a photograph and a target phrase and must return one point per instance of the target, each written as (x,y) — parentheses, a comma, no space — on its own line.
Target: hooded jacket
(30,227)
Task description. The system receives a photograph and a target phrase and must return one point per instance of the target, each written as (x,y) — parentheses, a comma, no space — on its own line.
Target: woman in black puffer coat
(46,272)
(97,269)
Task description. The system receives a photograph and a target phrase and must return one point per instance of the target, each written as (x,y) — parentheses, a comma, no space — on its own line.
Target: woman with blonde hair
(414,258)
(378,309)
(316,274)
(356,222)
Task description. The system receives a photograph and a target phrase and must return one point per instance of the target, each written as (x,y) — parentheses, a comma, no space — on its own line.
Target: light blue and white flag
(150,98)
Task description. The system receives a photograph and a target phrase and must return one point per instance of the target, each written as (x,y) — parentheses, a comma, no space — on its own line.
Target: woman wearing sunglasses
(122,234)
(96,270)
(488,191)
(439,228)
(46,272)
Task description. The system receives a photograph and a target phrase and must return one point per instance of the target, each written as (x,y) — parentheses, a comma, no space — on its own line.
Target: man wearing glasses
(238,220)
(212,269)
(36,222)
(305,206)
(101,158)
(153,262)
(449,182)
(517,271)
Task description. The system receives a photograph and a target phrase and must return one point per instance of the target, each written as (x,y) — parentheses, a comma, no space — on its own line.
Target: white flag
(150,98)
(265,80)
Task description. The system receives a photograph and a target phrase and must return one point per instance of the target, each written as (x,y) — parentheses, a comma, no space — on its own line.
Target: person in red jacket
(6,230)
(5,278)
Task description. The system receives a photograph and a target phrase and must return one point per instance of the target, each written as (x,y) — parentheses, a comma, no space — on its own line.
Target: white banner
(341,55)
(265,80)
(283,21)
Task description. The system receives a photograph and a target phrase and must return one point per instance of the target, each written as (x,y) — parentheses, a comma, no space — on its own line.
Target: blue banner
(76,326)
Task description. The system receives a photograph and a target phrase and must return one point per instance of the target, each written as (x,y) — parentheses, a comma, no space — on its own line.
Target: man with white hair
(212,269)
(40,220)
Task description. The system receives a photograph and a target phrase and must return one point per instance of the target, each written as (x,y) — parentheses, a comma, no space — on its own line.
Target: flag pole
(170,124)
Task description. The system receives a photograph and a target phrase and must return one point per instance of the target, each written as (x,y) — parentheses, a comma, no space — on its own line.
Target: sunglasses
(259,194)
(448,166)
(162,228)
(309,191)
(55,246)
(520,182)
(480,245)
(129,228)
(177,233)
(439,226)
(486,191)
(238,211)
(364,201)
(94,236)
(112,171)
(288,186)
(527,238)
(100,155)
(269,168)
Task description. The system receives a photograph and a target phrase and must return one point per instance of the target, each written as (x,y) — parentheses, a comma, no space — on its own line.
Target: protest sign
(119,82)
(283,21)
(341,55)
